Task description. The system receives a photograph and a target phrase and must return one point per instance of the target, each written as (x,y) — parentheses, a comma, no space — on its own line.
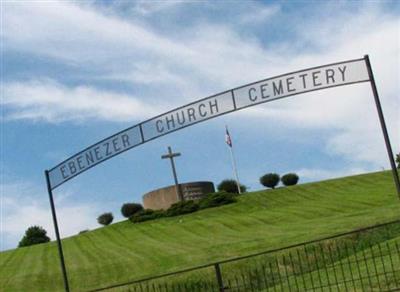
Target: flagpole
(234,164)
(235,170)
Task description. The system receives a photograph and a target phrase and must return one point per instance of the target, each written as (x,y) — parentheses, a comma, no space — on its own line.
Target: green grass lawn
(258,221)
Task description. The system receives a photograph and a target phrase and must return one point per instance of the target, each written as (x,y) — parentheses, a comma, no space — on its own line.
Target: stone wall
(165,197)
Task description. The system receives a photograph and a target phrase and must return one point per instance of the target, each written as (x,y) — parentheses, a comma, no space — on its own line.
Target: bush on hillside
(290,179)
(146,214)
(129,209)
(216,199)
(181,208)
(185,207)
(270,180)
(34,235)
(230,186)
(105,219)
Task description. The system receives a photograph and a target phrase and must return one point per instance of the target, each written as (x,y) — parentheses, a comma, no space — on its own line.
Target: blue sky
(76,72)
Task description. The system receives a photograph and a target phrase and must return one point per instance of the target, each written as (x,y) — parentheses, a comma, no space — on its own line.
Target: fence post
(219,278)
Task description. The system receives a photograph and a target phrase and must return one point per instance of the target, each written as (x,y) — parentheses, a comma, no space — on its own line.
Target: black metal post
(219,278)
(383,125)
(53,213)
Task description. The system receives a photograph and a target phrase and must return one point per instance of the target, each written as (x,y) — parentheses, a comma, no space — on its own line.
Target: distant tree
(230,186)
(129,209)
(34,235)
(398,160)
(105,219)
(270,180)
(290,179)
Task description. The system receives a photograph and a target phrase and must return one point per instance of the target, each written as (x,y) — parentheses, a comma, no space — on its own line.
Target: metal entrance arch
(266,90)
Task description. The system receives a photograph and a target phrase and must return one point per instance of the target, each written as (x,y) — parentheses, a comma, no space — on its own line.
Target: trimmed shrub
(290,179)
(147,214)
(270,180)
(129,209)
(34,235)
(183,207)
(230,186)
(216,199)
(105,219)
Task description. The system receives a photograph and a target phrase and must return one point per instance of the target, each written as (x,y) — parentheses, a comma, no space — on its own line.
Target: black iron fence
(366,259)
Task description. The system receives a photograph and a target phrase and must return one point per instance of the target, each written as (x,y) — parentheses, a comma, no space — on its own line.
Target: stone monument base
(163,198)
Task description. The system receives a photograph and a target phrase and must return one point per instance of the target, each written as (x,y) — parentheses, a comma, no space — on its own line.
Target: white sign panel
(338,74)
(190,114)
(95,154)
(300,82)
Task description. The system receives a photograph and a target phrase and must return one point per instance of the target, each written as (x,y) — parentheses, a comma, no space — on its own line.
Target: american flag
(228,139)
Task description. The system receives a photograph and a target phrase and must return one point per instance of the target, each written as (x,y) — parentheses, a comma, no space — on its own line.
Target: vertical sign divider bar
(233,100)
(383,125)
(141,132)
(59,245)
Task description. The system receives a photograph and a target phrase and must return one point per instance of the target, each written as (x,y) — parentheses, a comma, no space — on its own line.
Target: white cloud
(206,58)
(52,102)
(149,7)
(348,113)
(24,205)
(257,15)
(79,34)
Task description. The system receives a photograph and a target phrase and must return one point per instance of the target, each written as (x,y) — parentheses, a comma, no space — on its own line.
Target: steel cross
(170,155)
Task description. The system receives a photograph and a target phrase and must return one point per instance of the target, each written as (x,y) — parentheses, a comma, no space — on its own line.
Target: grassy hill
(258,221)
